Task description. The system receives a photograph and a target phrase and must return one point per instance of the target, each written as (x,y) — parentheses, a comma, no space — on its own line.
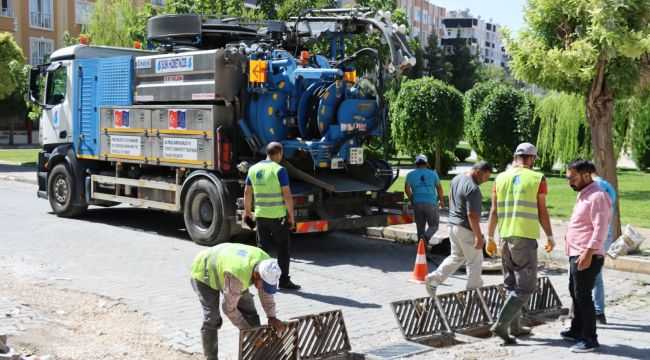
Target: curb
(17,179)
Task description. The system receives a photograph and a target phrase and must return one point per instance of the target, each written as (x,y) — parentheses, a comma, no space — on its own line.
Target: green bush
(447,162)
(641,139)
(462,153)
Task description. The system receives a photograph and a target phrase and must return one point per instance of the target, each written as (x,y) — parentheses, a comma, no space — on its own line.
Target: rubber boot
(516,329)
(210,344)
(508,312)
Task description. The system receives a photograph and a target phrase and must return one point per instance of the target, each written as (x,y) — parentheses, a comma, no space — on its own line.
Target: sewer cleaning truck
(176,128)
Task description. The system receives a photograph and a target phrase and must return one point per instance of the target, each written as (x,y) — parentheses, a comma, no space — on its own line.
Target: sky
(506,13)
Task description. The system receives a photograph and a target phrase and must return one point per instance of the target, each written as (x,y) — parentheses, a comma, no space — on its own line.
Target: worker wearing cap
(230,269)
(423,187)
(519,208)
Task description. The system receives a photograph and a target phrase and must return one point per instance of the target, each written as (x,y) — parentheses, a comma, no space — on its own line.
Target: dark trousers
(519,266)
(581,284)
(209,299)
(275,231)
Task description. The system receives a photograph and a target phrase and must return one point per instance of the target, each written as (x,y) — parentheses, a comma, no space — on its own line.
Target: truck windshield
(56,86)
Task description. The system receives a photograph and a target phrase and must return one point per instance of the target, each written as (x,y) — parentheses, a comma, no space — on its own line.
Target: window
(40,14)
(425,17)
(56,85)
(416,16)
(40,50)
(83,10)
(158,2)
(6,8)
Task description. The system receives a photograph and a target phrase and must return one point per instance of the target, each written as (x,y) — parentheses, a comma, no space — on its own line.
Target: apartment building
(38,25)
(483,36)
(424,18)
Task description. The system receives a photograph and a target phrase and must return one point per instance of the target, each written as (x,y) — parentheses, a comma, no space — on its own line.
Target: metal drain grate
(544,298)
(322,335)
(396,351)
(464,310)
(265,343)
(419,317)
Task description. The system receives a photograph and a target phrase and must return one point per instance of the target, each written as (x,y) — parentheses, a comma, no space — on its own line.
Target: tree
(9,51)
(464,65)
(502,120)
(111,23)
(436,63)
(561,116)
(417,70)
(433,122)
(591,48)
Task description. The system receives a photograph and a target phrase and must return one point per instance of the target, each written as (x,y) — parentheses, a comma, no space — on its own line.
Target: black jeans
(581,284)
(275,231)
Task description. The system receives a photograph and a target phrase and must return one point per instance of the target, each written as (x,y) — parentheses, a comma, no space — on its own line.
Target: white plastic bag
(627,242)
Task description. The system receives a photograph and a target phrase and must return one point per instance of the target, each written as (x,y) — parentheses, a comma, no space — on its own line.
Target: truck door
(56,121)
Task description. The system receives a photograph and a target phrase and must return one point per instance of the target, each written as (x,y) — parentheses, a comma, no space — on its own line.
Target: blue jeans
(599,287)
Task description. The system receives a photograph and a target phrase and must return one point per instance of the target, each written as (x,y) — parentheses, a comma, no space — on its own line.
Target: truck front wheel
(60,189)
(203,214)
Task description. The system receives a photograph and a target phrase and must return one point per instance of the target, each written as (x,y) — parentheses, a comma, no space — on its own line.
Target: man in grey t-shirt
(464,229)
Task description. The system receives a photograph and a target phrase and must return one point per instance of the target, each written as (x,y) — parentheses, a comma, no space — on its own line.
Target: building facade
(38,25)
(424,18)
(483,36)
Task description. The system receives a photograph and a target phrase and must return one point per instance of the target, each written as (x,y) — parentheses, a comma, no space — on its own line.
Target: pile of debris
(8,353)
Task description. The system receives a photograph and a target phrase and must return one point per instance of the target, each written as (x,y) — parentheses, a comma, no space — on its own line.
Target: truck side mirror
(34,96)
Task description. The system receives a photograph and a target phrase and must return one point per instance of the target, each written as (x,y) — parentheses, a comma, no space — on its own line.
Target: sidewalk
(638,262)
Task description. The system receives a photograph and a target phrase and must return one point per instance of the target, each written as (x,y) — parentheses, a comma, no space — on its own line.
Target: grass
(634,194)
(22,156)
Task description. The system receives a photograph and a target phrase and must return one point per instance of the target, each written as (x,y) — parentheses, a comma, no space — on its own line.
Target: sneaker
(288,285)
(586,345)
(570,336)
(601,319)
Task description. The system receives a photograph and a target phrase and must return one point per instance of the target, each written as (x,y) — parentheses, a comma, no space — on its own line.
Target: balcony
(7,20)
(40,20)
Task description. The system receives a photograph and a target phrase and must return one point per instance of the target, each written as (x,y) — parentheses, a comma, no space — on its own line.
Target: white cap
(526,149)
(270,273)
(421,159)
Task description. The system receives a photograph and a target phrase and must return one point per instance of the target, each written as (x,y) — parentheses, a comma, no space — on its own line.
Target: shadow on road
(333,300)
(4,168)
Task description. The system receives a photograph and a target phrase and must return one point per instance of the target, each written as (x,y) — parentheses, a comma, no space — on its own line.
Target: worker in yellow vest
(268,183)
(519,208)
(230,269)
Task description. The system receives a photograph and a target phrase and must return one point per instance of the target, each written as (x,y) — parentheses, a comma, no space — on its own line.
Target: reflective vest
(517,191)
(238,260)
(269,202)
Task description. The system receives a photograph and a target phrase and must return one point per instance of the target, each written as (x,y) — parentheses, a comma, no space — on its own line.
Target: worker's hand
(491,247)
(584,261)
(249,215)
(277,325)
(441,204)
(292,222)
(478,242)
(550,244)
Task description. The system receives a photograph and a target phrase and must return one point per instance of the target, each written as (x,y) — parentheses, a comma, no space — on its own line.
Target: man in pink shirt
(585,240)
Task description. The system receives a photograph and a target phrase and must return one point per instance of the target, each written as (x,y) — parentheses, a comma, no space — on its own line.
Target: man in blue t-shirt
(423,187)
(599,287)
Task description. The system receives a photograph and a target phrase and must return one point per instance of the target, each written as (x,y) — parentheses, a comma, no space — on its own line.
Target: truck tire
(60,190)
(203,214)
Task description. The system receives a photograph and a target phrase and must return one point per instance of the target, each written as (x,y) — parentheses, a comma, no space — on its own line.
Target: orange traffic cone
(421,269)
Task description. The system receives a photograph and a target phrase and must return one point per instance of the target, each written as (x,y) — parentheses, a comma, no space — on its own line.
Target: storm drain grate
(544,298)
(396,351)
(264,342)
(419,317)
(465,310)
(322,335)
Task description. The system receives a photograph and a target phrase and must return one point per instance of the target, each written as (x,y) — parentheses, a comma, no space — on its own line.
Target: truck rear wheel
(203,214)
(60,189)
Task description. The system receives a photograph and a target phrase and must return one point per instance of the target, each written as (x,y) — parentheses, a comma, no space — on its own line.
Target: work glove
(491,247)
(550,244)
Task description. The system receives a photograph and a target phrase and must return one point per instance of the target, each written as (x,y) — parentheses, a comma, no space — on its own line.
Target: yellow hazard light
(257,71)
(351,76)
